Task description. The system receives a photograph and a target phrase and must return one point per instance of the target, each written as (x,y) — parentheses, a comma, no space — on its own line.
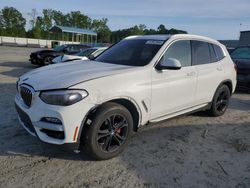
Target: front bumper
(35,59)
(71,118)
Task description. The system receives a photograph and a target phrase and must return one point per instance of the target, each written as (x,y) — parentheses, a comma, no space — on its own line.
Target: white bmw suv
(96,105)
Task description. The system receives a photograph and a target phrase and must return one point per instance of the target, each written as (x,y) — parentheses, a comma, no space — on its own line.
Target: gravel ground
(188,151)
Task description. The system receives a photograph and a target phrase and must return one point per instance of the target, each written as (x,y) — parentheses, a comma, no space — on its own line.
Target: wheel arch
(127,102)
(228,83)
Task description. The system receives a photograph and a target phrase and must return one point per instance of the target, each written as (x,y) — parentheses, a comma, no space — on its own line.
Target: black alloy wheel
(112,133)
(109,131)
(220,101)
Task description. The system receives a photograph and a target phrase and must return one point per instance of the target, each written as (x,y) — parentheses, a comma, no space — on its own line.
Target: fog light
(51,120)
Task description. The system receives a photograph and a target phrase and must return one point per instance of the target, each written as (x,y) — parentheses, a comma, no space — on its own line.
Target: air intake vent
(26,95)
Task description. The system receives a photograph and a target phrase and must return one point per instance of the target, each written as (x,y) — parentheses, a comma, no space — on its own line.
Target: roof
(245,31)
(58,28)
(150,37)
(173,36)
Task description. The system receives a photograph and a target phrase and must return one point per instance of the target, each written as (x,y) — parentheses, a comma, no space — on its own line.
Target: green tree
(59,18)
(37,30)
(120,34)
(12,22)
(79,20)
(102,29)
(33,16)
(162,29)
(46,22)
(47,19)
(141,30)
(176,31)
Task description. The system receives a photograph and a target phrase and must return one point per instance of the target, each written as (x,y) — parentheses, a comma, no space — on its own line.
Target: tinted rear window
(241,53)
(219,52)
(201,53)
(212,53)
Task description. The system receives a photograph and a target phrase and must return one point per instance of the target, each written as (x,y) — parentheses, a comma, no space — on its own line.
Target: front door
(174,90)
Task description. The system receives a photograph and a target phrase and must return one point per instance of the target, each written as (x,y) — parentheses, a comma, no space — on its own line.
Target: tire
(220,101)
(47,60)
(103,139)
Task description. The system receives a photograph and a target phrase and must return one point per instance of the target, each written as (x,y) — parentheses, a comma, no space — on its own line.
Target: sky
(218,19)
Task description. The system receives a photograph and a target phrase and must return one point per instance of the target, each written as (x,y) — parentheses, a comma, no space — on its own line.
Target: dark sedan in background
(241,57)
(44,57)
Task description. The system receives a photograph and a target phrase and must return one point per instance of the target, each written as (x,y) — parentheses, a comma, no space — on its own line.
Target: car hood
(67,74)
(66,58)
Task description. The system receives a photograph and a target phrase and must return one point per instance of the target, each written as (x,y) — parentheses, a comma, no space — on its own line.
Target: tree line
(12,23)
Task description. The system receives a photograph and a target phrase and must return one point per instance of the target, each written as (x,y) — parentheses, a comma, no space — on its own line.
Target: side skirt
(191,110)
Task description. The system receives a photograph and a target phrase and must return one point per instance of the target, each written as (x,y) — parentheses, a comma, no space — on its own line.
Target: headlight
(63,97)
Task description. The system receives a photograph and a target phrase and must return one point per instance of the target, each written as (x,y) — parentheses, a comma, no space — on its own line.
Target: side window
(212,54)
(219,52)
(201,53)
(76,48)
(180,50)
(81,48)
(241,53)
(70,48)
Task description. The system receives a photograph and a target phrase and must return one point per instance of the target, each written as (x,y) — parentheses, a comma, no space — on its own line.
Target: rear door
(209,69)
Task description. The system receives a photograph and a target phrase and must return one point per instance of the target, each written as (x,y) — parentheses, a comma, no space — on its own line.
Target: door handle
(191,74)
(219,69)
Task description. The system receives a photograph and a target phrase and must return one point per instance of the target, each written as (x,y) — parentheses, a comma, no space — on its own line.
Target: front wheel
(47,60)
(109,132)
(220,101)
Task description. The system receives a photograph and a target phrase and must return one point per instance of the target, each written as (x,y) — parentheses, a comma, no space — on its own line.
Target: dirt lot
(188,151)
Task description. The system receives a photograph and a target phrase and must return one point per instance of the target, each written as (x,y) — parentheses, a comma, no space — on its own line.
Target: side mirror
(169,63)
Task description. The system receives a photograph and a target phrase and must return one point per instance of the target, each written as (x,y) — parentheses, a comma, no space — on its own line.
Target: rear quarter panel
(229,69)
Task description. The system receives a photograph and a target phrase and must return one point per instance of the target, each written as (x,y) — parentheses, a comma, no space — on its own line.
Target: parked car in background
(86,54)
(230,50)
(241,57)
(97,105)
(44,57)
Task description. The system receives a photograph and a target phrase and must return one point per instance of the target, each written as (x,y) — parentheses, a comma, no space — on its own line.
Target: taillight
(235,67)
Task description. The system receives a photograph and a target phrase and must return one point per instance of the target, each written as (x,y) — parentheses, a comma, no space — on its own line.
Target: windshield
(60,48)
(241,53)
(132,52)
(86,52)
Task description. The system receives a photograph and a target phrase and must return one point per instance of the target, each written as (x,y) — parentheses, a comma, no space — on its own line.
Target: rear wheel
(221,101)
(109,132)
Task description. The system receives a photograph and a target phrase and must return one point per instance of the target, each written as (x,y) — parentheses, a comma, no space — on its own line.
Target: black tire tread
(213,111)
(88,143)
